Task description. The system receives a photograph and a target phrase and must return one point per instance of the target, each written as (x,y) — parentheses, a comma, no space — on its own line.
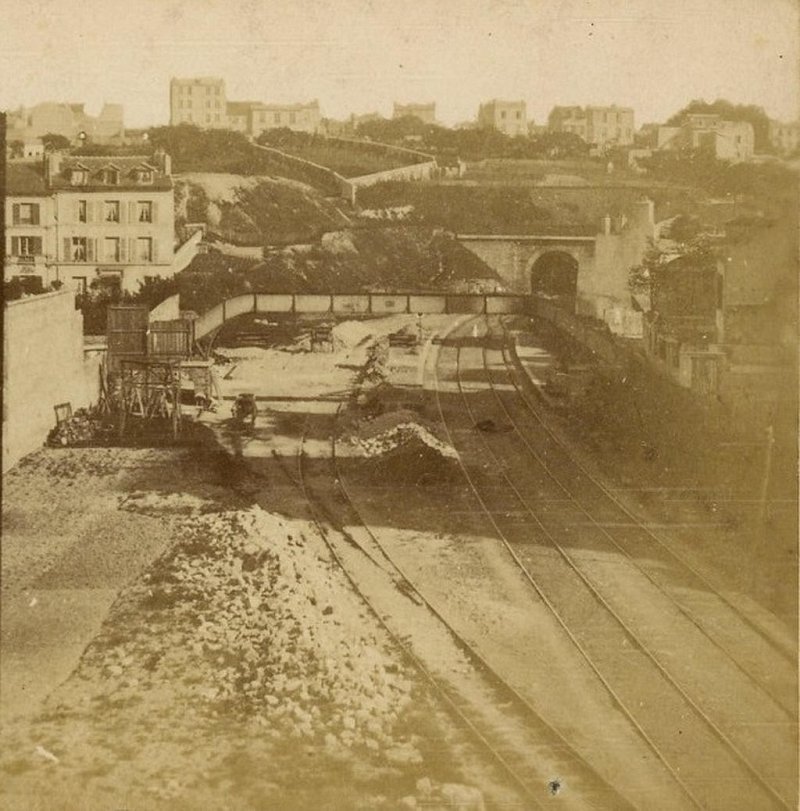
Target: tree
(54,141)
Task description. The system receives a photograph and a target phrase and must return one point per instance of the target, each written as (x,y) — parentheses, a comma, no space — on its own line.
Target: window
(144,176)
(216,116)
(26,213)
(292,118)
(79,252)
(145,208)
(111,177)
(277,118)
(82,211)
(519,115)
(111,249)
(112,211)
(144,249)
(502,114)
(79,177)
(26,246)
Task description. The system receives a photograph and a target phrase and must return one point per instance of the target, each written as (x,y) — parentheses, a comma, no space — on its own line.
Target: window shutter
(132,250)
(67,256)
(37,246)
(154,251)
(35,214)
(132,212)
(154,210)
(90,250)
(123,250)
(78,211)
(90,211)
(15,210)
(15,246)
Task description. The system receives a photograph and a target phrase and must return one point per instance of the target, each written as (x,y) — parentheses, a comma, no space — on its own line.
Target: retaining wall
(43,365)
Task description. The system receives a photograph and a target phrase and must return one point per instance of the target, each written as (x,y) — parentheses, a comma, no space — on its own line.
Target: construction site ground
(178,634)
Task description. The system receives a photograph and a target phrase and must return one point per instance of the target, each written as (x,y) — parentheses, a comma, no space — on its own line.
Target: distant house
(508,117)
(69,120)
(202,101)
(784,138)
(727,140)
(598,126)
(424,112)
(81,220)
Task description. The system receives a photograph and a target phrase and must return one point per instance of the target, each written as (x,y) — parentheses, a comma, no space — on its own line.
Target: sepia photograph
(400,405)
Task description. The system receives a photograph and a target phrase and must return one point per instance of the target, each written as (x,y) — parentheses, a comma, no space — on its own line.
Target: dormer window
(79,177)
(144,175)
(111,176)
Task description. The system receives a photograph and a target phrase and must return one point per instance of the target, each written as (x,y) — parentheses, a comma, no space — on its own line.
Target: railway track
(535,758)
(617,513)
(704,760)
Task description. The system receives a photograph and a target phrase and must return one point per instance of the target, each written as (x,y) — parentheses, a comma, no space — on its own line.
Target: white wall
(43,365)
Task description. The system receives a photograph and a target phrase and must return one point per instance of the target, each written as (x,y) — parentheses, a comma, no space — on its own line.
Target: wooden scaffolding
(149,394)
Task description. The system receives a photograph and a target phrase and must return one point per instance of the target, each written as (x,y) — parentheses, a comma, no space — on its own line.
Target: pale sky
(361,55)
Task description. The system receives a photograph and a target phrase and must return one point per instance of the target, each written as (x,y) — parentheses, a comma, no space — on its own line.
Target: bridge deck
(360,304)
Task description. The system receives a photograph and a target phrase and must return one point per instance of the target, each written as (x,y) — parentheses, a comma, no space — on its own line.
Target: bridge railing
(360,304)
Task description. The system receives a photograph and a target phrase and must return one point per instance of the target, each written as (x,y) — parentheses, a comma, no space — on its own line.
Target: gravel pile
(401,435)
(272,638)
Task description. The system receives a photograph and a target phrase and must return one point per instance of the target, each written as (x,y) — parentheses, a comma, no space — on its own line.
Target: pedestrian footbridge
(360,305)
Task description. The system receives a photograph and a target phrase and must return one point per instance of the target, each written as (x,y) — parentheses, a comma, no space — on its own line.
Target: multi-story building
(424,112)
(508,117)
(200,101)
(785,138)
(297,117)
(598,126)
(69,120)
(81,220)
(29,223)
(727,140)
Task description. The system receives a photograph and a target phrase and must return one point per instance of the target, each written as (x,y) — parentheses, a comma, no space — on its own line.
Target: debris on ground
(83,428)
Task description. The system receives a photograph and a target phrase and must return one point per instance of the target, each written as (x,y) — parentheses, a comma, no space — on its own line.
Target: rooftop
(25,179)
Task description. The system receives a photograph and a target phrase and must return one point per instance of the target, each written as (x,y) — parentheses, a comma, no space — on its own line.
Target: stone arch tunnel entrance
(555,275)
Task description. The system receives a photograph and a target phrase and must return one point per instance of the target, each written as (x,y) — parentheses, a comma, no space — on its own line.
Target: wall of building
(17,264)
(129,228)
(43,366)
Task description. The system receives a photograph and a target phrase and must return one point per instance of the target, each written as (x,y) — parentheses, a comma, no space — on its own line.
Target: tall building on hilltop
(424,112)
(726,140)
(508,117)
(200,101)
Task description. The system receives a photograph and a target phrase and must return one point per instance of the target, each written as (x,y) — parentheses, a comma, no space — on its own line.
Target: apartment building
(598,126)
(84,220)
(424,112)
(200,101)
(785,138)
(508,117)
(69,120)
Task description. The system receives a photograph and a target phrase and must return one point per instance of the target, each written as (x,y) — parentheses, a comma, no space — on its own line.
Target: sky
(361,55)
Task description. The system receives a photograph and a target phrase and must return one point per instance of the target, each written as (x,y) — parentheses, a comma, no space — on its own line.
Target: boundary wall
(43,365)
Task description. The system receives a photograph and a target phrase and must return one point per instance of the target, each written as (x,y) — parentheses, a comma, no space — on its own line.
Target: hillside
(255,210)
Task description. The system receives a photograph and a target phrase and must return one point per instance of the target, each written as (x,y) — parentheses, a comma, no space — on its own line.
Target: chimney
(607,224)
(167,165)
(52,165)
